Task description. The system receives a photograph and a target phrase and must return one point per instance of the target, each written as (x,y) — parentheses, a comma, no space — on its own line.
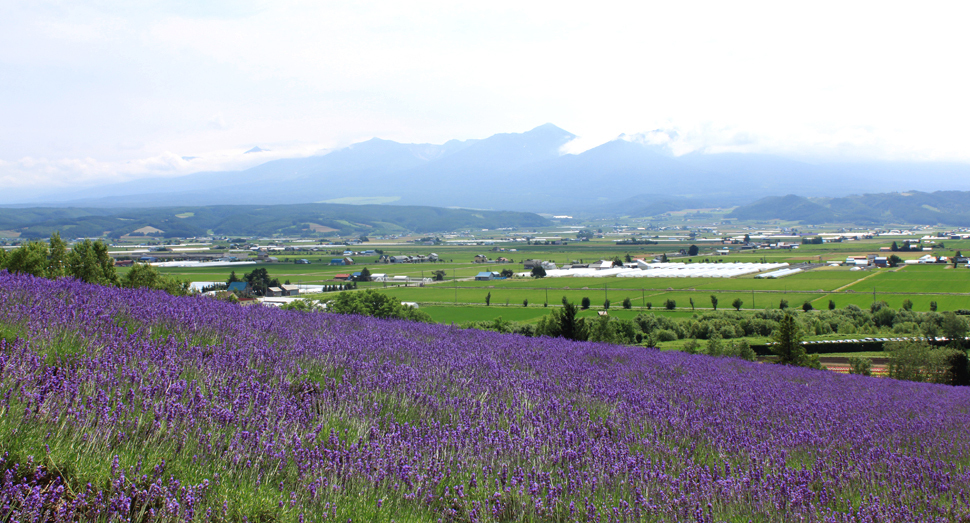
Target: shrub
(670,305)
(807,306)
(665,335)
(691,346)
(649,306)
(627,304)
(606,304)
(861,366)
(585,303)
(525,302)
(783,304)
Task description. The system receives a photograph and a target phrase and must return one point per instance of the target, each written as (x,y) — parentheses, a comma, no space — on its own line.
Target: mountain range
(522,172)
(912,207)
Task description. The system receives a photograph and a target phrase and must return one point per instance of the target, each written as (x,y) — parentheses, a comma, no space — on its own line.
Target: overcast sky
(103,90)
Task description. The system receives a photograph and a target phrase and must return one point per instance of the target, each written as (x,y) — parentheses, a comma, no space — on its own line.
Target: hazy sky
(104,90)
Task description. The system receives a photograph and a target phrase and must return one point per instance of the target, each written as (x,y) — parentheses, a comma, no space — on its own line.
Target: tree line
(87,261)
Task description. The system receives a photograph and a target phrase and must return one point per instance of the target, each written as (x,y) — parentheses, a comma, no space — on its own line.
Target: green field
(464,299)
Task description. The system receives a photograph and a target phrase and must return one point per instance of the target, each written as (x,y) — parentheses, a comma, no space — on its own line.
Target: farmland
(193,409)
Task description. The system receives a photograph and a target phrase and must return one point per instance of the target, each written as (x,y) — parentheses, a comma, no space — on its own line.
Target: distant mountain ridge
(307,220)
(911,207)
(524,172)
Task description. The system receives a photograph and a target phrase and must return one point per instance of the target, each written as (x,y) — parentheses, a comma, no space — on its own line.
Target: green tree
(232,278)
(538,272)
(807,306)
(606,304)
(670,305)
(955,329)
(507,273)
(907,304)
(714,301)
(894,260)
(627,303)
(585,303)
(894,247)
(788,344)
(933,306)
(692,250)
(260,281)
(861,366)
(737,303)
(831,305)
(439,275)
(691,303)
(783,304)
(376,304)
(714,345)
(488,299)
(146,276)
(364,275)
(30,258)
(57,256)
(89,261)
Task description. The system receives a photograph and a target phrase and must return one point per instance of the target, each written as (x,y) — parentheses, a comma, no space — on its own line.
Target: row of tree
(87,261)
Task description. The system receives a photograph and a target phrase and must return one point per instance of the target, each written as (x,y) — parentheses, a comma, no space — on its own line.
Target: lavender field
(128,405)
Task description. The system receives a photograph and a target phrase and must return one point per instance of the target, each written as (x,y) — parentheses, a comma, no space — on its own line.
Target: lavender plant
(133,405)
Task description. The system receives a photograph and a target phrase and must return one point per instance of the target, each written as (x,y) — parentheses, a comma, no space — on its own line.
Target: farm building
(481,258)
(290,290)
(341,277)
(602,264)
(348,261)
(485,276)
(337,261)
(274,292)
(238,286)
(400,259)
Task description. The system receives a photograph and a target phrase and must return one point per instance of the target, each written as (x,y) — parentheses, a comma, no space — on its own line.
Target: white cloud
(110,85)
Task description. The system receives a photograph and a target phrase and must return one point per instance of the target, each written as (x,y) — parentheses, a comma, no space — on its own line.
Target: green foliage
(585,303)
(373,303)
(488,299)
(933,306)
(955,329)
(788,345)
(691,346)
(627,303)
(714,345)
(907,304)
(303,305)
(606,305)
(507,273)
(692,250)
(918,361)
(143,275)
(861,366)
(538,272)
(783,304)
(737,303)
(57,256)
(259,281)
(563,323)
(807,306)
(89,261)
(831,305)
(525,302)
(670,305)
(365,274)
(30,258)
